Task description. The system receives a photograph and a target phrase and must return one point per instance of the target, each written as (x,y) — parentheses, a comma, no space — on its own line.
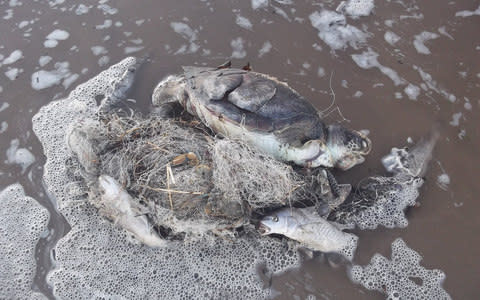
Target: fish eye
(275,219)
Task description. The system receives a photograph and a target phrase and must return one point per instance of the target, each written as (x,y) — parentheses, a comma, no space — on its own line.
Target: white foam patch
(69,80)
(334,30)
(431,84)
(266,48)
(20,156)
(44,60)
(412,91)
(81,9)
(369,59)
(443,180)
(22,222)
(256,4)
(44,79)
(14,3)
(443,31)
(456,119)
(395,277)
(8,14)
(358,94)
(243,22)
(98,50)
(54,37)
(420,39)
(4,106)
(13,57)
(107,9)
(187,33)
(468,13)
(96,259)
(54,3)
(23,24)
(13,73)
(238,48)
(3,126)
(394,196)
(320,72)
(130,50)
(104,60)
(391,37)
(358,8)
(106,24)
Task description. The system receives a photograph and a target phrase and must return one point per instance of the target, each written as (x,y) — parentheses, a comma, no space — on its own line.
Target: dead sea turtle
(264,112)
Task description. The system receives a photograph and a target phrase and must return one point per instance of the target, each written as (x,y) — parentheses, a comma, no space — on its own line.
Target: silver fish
(119,206)
(314,232)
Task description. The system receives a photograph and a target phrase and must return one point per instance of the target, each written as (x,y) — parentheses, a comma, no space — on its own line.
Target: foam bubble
(402,277)
(22,222)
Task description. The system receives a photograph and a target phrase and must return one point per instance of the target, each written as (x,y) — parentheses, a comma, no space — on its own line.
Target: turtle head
(347,147)
(170,89)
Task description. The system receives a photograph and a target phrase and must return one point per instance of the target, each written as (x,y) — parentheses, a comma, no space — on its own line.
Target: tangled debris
(185,180)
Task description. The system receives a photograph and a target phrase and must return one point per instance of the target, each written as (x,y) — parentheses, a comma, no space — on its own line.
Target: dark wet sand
(444,229)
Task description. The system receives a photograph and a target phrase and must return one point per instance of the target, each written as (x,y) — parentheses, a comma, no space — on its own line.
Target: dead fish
(119,206)
(314,232)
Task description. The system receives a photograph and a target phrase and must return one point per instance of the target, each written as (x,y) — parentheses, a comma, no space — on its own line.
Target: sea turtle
(264,112)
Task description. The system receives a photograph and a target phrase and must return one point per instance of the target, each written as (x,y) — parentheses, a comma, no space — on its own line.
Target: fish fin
(342,227)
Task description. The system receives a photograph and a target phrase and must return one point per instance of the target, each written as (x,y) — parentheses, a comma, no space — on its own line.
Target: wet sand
(444,229)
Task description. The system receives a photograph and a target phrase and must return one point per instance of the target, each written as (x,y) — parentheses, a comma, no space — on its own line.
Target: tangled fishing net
(178,173)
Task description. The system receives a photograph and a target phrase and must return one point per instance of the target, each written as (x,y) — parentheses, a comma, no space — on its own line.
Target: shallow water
(443,229)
